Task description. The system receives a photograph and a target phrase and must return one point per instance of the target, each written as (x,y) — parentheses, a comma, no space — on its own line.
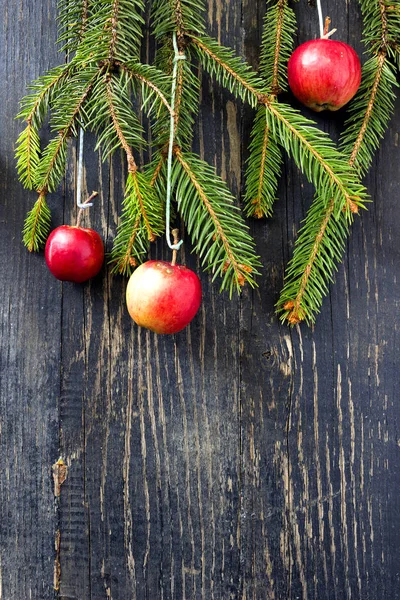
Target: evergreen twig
(322,239)
(96,89)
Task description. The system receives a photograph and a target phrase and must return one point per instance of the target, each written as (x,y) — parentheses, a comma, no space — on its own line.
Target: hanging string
(321,18)
(87,204)
(324,24)
(177,56)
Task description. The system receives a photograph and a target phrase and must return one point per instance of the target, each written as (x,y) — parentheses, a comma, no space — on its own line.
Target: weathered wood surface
(238,459)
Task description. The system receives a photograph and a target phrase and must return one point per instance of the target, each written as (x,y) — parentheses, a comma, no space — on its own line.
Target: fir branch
(51,168)
(321,242)
(373,105)
(33,111)
(72,17)
(318,249)
(111,116)
(181,16)
(263,169)
(369,113)
(316,156)
(37,225)
(186,106)
(228,69)
(142,220)
(154,84)
(277,45)
(113,32)
(220,236)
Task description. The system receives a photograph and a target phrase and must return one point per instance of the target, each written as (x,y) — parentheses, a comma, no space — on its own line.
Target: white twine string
(80,175)
(321,18)
(328,34)
(177,57)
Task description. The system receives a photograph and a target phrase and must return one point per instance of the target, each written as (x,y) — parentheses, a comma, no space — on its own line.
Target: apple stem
(175,234)
(84,205)
(326,26)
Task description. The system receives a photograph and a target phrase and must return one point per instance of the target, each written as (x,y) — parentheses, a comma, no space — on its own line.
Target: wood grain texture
(237,460)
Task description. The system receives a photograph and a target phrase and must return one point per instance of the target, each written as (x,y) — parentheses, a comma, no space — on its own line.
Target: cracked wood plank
(236,460)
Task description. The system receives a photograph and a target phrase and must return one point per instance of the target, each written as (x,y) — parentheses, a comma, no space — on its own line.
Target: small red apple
(162,296)
(324,74)
(74,253)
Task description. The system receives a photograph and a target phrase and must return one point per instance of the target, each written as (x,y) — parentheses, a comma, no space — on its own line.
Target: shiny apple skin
(74,253)
(324,74)
(163,297)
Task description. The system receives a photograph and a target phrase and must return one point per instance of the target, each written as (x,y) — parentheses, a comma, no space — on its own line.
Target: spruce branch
(316,156)
(154,83)
(65,120)
(142,220)
(220,236)
(373,105)
(322,240)
(277,45)
(180,16)
(37,225)
(123,120)
(72,17)
(263,169)
(113,32)
(318,249)
(265,158)
(138,192)
(33,111)
(369,112)
(228,69)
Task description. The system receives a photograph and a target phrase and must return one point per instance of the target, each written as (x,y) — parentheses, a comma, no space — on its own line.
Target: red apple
(324,74)
(163,297)
(74,253)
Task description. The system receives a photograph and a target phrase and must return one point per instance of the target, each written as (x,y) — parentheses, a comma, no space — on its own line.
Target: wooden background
(239,459)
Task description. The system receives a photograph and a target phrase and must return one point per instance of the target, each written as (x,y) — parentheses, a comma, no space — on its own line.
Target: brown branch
(114,32)
(179,19)
(85,8)
(157,171)
(132,167)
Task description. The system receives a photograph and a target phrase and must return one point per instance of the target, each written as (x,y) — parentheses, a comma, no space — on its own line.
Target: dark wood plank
(29,337)
(236,460)
(317,480)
